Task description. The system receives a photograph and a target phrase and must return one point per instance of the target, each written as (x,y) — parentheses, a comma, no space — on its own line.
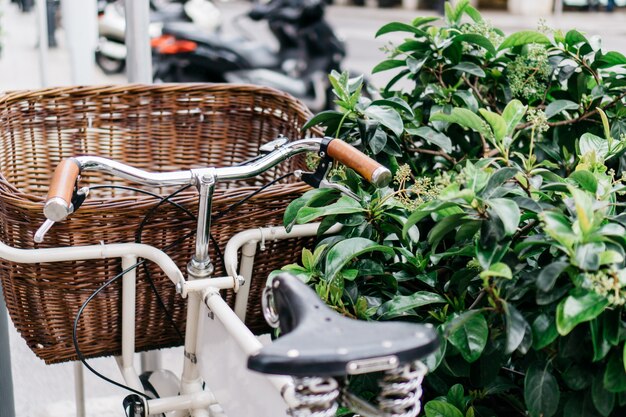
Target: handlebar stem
(200,265)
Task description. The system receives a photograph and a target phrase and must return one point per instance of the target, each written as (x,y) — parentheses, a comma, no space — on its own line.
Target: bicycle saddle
(317,341)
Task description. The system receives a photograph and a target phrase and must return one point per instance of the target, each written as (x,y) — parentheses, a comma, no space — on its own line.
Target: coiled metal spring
(317,397)
(401,391)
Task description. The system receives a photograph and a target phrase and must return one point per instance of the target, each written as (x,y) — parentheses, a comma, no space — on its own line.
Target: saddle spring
(401,390)
(317,397)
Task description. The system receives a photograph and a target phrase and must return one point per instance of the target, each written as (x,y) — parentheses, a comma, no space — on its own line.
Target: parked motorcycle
(308,51)
(111,51)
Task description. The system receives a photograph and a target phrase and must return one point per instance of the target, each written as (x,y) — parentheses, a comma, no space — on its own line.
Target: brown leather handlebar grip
(59,199)
(351,157)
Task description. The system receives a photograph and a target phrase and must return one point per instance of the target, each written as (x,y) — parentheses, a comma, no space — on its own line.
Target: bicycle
(295,375)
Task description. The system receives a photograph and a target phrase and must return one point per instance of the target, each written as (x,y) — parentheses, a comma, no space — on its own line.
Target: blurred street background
(48,391)
(355,25)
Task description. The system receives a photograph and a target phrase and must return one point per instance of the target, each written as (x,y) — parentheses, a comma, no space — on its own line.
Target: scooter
(111,50)
(308,51)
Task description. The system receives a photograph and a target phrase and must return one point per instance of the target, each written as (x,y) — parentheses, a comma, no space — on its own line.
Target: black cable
(138,234)
(159,299)
(230,208)
(80,355)
(152,210)
(249,196)
(140,191)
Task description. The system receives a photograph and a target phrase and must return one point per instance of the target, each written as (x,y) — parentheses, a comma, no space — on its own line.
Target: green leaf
(592,143)
(470,68)
(401,304)
(583,202)
(419,21)
(322,118)
(445,226)
(586,180)
(516,327)
(465,118)
(614,374)
(318,196)
(580,406)
(548,275)
(507,211)
(544,331)
(541,392)
(473,14)
(576,309)
(523,38)
(557,106)
(424,211)
(346,250)
(387,65)
(499,269)
(395,102)
(609,257)
(611,59)
(587,256)
(307,259)
(432,136)
(437,408)
(399,27)
(512,115)
(433,360)
(478,40)
(386,116)
(460,8)
(489,252)
(340,85)
(601,346)
(498,178)
(497,123)
(559,228)
(456,396)
(415,65)
(576,376)
(605,124)
(603,400)
(574,37)
(468,333)
(345,205)
(467,97)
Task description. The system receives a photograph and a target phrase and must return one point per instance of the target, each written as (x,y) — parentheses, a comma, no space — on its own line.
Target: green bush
(505,227)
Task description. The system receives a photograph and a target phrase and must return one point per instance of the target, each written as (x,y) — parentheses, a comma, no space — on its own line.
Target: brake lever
(78,198)
(318,178)
(341,188)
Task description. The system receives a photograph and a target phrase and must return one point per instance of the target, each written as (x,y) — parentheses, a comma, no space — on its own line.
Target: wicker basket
(157,128)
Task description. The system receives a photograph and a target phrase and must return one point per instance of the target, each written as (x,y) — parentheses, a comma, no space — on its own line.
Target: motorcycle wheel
(109,65)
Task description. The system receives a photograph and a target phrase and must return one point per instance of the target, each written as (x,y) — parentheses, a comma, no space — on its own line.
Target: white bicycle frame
(217,343)
(213,330)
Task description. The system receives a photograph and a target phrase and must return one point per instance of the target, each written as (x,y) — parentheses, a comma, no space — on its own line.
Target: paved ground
(48,391)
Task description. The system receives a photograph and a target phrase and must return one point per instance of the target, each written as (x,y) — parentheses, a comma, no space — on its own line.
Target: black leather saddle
(317,341)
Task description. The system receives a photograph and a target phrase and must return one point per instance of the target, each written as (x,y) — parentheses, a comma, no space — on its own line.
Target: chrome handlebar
(163,179)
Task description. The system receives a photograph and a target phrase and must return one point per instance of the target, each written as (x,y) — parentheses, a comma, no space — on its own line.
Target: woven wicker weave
(157,128)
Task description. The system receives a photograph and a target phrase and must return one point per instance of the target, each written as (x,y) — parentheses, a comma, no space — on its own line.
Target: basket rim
(18,197)
(89,90)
